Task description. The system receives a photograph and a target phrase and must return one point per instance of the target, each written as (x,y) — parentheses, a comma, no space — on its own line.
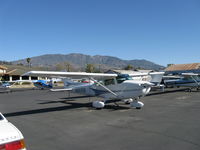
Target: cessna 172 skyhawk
(108,86)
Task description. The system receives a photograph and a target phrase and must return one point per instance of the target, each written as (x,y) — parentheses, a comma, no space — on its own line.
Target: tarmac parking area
(53,120)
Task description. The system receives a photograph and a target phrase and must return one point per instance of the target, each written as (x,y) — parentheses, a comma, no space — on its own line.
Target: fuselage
(126,89)
(184,82)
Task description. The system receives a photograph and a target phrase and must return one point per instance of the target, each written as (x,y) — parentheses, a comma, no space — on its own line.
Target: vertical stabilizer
(156,77)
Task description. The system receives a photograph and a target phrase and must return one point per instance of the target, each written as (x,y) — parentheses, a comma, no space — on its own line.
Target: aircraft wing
(155,77)
(190,74)
(139,74)
(74,75)
(145,74)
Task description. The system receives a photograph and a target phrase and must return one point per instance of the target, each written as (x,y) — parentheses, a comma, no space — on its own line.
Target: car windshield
(1,117)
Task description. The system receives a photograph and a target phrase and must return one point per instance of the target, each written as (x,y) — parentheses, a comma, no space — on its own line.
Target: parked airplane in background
(42,84)
(46,84)
(190,80)
(109,86)
(4,89)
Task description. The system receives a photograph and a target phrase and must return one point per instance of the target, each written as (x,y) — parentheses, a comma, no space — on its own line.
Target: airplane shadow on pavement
(68,106)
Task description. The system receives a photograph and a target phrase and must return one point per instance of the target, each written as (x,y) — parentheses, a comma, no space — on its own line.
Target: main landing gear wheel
(189,90)
(128,101)
(137,104)
(98,104)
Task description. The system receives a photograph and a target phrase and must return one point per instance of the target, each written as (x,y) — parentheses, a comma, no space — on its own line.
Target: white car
(10,137)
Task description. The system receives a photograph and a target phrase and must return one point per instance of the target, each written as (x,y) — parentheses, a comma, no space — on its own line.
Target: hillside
(79,61)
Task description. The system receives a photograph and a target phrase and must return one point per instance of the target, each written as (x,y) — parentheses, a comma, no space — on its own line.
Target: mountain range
(78,61)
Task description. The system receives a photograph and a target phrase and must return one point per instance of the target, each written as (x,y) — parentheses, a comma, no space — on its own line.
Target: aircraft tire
(138,107)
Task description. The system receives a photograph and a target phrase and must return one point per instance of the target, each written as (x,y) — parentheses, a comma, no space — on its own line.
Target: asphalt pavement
(59,120)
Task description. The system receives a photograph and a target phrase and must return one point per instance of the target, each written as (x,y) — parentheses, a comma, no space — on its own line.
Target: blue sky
(161,31)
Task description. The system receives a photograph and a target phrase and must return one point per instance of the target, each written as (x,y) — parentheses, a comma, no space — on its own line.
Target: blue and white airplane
(42,84)
(108,86)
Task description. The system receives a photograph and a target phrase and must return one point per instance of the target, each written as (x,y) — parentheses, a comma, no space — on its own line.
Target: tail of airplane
(51,83)
(156,77)
(70,85)
(68,82)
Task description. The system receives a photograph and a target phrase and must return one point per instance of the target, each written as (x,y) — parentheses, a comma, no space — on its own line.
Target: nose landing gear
(137,104)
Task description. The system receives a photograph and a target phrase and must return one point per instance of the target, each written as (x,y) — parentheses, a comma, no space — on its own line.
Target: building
(183,68)
(2,70)
(15,72)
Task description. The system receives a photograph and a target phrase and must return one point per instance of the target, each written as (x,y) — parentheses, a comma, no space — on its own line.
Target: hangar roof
(193,66)
(3,67)
(19,70)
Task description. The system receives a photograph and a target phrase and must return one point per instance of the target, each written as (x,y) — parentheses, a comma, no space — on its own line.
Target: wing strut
(192,76)
(104,87)
(198,84)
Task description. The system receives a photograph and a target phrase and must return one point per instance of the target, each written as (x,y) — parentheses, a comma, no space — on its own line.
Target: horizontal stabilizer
(189,74)
(59,90)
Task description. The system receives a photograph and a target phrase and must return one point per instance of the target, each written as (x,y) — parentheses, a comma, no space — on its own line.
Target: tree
(168,65)
(59,67)
(20,64)
(90,68)
(68,66)
(29,61)
(128,67)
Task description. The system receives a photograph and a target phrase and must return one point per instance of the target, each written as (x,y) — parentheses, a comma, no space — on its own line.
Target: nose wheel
(128,101)
(137,104)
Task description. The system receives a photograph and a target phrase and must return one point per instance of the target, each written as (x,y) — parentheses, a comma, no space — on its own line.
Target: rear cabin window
(188,78)
(109,81)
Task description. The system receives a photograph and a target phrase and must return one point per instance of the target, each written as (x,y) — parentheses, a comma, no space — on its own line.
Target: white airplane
(110,87)
(190,80)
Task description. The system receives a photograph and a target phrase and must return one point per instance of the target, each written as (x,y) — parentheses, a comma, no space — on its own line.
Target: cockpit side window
(123,78)
(188,78)
(196,78)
